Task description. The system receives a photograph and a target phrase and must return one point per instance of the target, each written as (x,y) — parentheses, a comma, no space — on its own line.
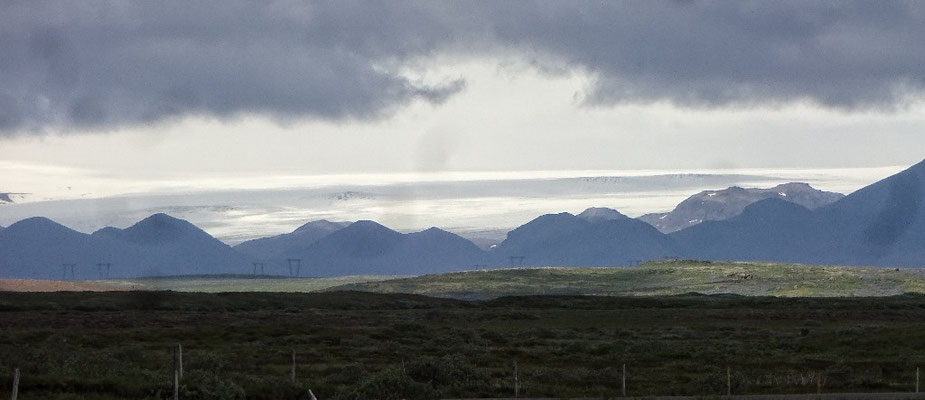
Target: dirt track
(33,285)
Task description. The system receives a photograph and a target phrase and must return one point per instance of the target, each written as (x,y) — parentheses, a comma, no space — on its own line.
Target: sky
(102,99)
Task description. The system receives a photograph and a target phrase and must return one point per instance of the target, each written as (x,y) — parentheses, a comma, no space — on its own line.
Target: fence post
(728,381)
(623,386)
(516,381)
(180,358)
(176,385)
(293,366)
(15,384)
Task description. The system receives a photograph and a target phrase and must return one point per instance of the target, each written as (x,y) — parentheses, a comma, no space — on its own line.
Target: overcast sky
(145,90)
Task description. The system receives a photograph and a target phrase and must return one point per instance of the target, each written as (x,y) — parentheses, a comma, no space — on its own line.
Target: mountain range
(158,245)
(582,240)
(717,205)
(366,248)
(880,225)
(274,247)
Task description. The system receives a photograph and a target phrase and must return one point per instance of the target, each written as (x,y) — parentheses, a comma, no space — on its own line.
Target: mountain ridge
(369,248)
(565,239)
(882,224)
(716,205)
(271,247)
(156,245)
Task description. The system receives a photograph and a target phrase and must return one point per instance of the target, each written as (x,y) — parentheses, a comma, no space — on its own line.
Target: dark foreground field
(365,346)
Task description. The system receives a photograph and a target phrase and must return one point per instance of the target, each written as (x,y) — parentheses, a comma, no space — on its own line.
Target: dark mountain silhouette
(273,247)
(882,224)
(366,247)
(769,230)
(718,205)
(163,245)
(540,231)
(37,247)
(568,240)
(160,229)
(157,245)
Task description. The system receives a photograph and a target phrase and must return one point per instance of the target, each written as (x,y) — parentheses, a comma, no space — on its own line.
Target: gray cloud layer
(100,64)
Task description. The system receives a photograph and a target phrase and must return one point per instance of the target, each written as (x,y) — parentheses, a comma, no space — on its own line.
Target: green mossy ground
(660,279)
(354,345)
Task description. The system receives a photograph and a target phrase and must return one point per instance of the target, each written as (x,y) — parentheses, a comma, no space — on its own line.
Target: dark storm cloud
(100,64)
(839,54)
